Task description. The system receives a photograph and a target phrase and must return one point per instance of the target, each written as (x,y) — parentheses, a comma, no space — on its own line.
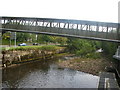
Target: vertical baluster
(97,31)
(107,33)
(68,25)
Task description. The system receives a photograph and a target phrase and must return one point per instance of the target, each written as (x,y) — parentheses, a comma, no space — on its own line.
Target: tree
(6,35)
(109,48)
(83,48)
(57,39)
(25,37)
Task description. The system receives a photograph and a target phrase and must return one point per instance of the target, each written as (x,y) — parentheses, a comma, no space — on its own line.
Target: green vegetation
(7,42)
(83,48)
(25,37)
(109,48)
(80,47)
(88,48)
(46,39)
(31,38)
(46,48)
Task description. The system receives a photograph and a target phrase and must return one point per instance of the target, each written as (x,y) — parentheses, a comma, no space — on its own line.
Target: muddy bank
(92,66)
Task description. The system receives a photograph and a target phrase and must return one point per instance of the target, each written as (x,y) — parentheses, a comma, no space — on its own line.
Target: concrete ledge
(107,81)
(116,57)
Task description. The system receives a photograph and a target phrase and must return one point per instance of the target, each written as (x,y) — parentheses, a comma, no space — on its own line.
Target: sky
(92,10)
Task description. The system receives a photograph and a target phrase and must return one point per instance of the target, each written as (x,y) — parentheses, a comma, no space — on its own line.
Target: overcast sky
(93,10)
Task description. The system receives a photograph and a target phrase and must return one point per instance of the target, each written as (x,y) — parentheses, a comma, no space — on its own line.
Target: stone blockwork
(18,56)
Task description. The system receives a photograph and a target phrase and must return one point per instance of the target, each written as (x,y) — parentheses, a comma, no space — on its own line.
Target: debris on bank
(92,66)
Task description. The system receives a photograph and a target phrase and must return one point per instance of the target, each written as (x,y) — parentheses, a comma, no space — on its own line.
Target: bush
(83,48)
(93,55)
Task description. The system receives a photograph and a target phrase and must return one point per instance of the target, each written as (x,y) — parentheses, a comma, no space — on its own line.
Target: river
(46,74)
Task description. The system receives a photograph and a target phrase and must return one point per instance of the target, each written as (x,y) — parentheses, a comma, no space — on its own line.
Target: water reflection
(46,74)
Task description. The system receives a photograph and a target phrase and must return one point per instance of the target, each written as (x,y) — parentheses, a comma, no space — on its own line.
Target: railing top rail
(116,25)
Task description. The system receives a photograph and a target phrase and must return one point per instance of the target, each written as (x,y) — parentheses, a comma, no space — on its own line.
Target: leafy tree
(6,35)
(109,48)
(51,39)
(43,38)
(83,48)
(57,39)
(22,37)
(25,37)
(73,44)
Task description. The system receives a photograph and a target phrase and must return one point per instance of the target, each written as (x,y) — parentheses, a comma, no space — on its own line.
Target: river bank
(58,55)
(20,55)
(92,66)
(23,55)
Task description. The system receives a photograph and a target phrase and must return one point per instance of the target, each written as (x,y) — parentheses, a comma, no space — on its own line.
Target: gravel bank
(92,66)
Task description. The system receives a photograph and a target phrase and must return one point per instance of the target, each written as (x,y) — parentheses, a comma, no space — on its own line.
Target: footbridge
(63,27)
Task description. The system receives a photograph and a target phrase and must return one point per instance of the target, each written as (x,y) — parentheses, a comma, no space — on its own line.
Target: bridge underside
(62,27)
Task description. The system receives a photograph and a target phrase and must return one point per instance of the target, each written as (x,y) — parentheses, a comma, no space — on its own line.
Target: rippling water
(46,74)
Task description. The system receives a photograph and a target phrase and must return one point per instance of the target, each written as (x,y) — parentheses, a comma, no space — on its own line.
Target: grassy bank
(25,48)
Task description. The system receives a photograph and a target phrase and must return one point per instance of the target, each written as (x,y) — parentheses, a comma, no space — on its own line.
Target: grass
(45,48)
(7,42)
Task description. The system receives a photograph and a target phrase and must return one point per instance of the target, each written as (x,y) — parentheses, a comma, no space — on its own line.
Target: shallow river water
(46,74)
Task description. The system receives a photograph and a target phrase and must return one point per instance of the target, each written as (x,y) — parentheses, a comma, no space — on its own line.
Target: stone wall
(18,56)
